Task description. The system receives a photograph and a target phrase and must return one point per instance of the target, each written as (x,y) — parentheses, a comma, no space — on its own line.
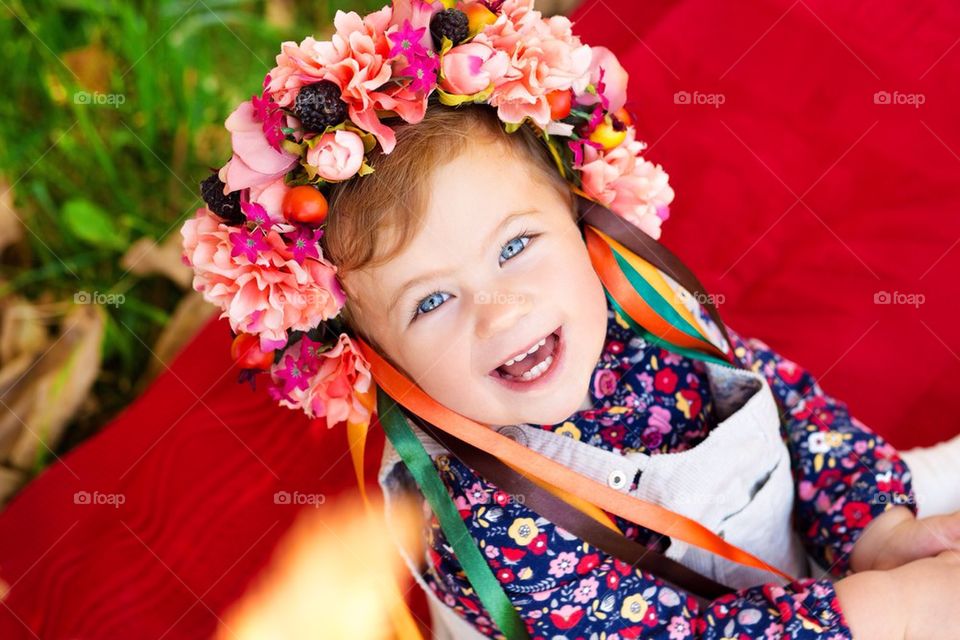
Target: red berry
(246,352)
(560,103)
(305,204)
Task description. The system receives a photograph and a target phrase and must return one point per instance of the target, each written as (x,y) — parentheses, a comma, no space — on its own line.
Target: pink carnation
(356,59)
(337,155)
(339,388)
(471,67)
(545,56)
(255,161)
(630,186)
(267,297)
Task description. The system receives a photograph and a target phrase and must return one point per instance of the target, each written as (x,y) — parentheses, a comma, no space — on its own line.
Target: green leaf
(93,225)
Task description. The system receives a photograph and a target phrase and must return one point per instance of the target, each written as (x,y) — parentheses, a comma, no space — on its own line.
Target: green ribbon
(418,462)
(650,337)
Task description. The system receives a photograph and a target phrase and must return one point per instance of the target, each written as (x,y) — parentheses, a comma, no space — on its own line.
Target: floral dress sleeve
(562,587)
(845,474)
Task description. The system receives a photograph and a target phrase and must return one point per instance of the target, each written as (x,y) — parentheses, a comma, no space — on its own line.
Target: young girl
(453,242)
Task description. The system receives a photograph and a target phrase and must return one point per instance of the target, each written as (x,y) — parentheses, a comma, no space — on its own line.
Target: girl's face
(498,265)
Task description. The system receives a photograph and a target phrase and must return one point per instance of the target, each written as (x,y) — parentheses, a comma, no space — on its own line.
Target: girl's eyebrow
(442,272)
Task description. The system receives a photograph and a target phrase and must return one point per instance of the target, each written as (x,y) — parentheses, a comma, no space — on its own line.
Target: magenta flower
(423,70)
(305,243)
(256,214)
(310,351)
(248,244)
(407,41)
(269,114)
(292,375)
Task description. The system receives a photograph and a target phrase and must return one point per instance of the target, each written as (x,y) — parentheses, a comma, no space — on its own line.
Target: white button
(617,479)
(513,432)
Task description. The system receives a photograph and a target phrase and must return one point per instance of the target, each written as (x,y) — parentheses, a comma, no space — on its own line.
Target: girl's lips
(548,376)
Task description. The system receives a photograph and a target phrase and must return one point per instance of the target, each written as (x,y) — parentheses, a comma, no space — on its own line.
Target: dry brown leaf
(146,257)
(47,397)
(23,329)
(93,66)
(11,481)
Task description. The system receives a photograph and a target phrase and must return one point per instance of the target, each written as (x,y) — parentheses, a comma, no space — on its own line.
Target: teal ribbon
(418,462)
(669,346)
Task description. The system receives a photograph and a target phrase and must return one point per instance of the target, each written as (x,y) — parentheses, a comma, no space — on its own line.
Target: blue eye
(512,248)
(423,308)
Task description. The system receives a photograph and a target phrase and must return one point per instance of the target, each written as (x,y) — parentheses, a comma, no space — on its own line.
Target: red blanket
(803,196)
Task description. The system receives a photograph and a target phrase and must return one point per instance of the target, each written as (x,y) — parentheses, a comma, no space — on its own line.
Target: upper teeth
(524,355)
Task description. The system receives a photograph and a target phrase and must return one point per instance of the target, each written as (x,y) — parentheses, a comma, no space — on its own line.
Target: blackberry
(319,106)
(452,23)
(225,206)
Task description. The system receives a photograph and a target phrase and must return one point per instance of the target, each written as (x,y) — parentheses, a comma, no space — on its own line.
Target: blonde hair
(373,218)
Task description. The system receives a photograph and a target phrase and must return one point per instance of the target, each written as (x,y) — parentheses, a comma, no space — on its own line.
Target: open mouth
(535,366)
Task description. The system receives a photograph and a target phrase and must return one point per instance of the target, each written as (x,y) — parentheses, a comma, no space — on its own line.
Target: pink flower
(270,196)
(338,155)
(267,297)
(630,186)
(472,67)
(356,59)
(255,161)
(614,79)
(563,564)
(340,385)
(585,591)
(605,382)
(545,56)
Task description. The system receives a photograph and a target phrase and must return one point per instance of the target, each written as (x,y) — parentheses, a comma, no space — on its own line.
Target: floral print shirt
(650,399)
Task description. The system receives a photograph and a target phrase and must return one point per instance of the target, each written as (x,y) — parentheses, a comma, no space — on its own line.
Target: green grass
(93,172)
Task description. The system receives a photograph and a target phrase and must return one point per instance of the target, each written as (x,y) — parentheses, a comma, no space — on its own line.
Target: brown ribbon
(575,521)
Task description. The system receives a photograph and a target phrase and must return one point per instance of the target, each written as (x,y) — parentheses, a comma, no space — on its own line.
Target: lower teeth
(534,373)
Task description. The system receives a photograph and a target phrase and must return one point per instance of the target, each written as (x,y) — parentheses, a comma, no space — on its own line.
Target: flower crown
(255,248)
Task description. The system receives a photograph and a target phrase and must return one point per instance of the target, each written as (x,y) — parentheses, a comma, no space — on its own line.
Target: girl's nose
(499,311)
